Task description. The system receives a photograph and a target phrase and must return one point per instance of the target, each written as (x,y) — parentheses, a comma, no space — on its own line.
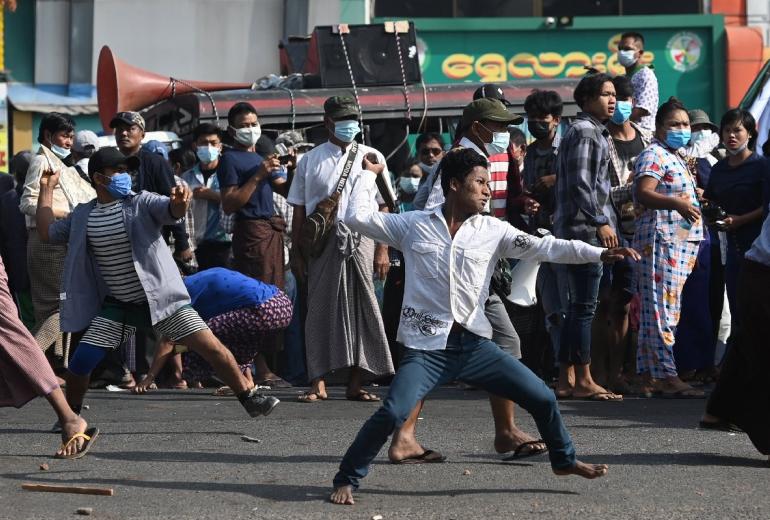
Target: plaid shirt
(537,164)
(620,179)
(582,181)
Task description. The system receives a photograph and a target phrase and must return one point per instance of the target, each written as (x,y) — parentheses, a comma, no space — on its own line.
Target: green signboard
(687,52)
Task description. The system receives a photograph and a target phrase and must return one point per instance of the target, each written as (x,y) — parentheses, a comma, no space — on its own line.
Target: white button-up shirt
(447,280)
(319,171)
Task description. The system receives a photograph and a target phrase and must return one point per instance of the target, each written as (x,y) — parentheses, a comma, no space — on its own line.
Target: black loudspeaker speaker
(373,54)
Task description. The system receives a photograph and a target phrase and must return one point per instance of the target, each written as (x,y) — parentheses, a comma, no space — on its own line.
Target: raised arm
(49,229)
(364,217)
(28,203)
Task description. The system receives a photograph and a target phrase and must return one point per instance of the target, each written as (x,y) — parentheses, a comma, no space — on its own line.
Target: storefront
(687,51)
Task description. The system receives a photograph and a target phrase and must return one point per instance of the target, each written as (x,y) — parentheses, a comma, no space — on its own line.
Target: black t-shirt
(627,150)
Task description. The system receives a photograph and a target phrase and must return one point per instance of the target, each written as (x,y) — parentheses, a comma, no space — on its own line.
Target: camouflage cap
(338,107)
(488,109)
(129,118)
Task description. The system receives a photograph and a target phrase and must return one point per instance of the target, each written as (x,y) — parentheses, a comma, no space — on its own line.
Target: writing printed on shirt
(522,241)
(424,323)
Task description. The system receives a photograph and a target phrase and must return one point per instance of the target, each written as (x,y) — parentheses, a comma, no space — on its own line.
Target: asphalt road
(177,454)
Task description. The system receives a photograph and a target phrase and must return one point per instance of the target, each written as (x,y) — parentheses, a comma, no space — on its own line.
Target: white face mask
(409,185)
(739,149)
(701,135)
(248,136)
(429,169)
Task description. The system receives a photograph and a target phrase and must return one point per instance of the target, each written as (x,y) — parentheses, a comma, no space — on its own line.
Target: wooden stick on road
(82,490)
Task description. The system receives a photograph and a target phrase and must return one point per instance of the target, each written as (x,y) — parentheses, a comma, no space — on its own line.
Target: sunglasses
(431,151)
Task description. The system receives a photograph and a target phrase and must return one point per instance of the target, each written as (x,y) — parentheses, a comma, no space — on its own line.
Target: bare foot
(342,495)
(513,439)
(584,470)
(70,429)
(591,389)
(566,384)
(404,447)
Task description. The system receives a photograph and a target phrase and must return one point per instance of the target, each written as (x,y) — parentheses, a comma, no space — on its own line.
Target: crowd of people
(232,262)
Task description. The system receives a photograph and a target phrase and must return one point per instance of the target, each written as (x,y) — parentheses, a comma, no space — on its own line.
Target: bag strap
(347,167)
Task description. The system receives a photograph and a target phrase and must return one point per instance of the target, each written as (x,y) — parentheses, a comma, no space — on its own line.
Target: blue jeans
(552,289)
(293,355)
(583,283)
(475,360)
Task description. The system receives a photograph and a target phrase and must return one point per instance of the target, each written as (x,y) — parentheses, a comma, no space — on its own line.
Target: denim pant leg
(499,373)
(419,373)
(293,355)
(583,281)
(553,297)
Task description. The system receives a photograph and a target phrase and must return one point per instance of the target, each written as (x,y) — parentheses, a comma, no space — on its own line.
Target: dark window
(581,7)
(414,8)
(494,8)
(662,7)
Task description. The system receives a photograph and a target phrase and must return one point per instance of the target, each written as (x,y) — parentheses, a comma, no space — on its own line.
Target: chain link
(174,81)
(353,83)
(403,77)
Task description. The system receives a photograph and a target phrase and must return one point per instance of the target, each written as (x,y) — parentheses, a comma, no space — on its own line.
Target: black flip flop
(520,453)
(426,457)
(89,436)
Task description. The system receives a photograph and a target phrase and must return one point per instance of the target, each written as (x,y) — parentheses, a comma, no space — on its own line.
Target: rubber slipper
(363,396)
(426,457)
(599,396)
(89,436)
(304,397)
(522,451)
(720,426)
(563,395)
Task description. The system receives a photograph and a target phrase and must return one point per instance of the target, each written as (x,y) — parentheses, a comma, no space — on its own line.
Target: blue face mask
(346,130)
(499,144)
(207,154)
(409,185)
(627,58)
(120,185)
(678,137)
(622,112)
(61,152)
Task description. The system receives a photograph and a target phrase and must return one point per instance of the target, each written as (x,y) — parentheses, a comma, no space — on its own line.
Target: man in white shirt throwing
(452,252)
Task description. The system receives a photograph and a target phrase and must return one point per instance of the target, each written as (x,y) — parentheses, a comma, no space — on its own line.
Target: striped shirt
(498,183)
(109,243)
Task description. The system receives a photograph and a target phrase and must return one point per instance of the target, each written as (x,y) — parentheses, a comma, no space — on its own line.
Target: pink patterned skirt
(245,332)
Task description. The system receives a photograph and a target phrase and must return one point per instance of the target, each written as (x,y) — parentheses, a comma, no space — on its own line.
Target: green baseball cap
(338,107)
(488,109)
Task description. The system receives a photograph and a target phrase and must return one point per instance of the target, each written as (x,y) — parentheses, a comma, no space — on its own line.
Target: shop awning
(28,97)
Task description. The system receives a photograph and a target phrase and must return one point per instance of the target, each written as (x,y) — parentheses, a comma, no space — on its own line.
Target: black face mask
(539,129)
